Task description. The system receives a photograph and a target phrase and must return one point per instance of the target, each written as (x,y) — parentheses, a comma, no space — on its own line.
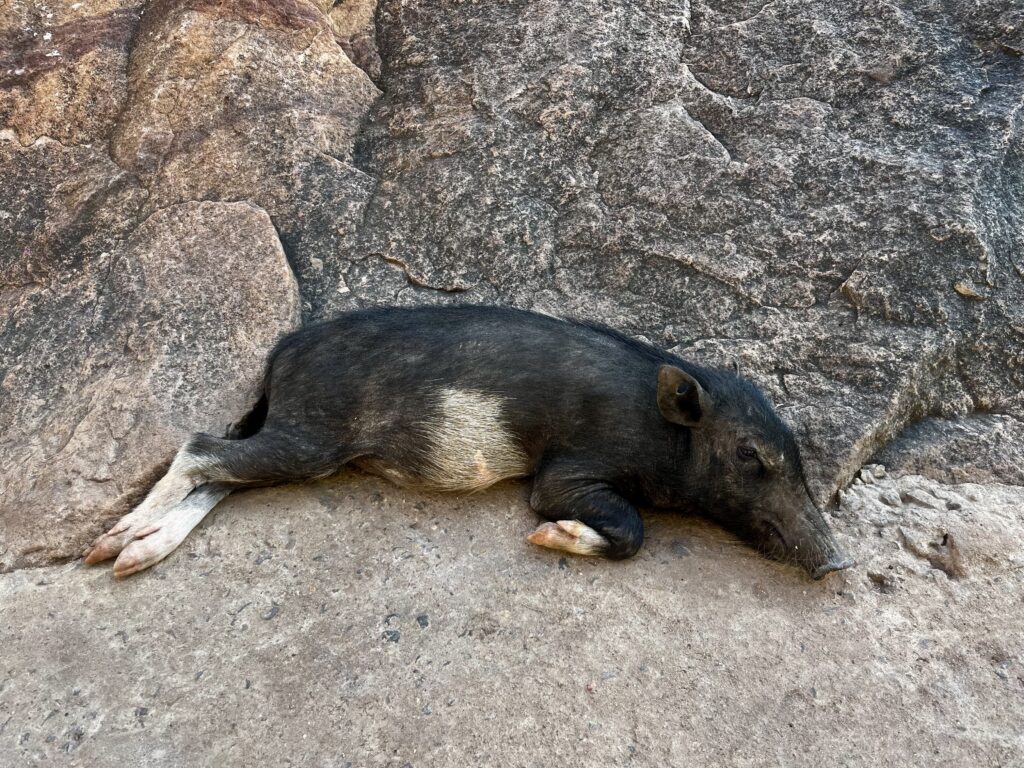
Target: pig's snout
(827,555)
(834,564)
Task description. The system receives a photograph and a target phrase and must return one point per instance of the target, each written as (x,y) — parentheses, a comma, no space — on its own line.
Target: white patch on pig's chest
(468,445)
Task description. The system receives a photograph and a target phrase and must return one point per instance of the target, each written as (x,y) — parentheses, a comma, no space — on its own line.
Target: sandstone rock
(136,115)
(110,366)
(354,29)
(63,68)
(253,101)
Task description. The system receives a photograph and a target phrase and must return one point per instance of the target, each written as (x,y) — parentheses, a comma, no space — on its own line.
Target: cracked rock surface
(827,193)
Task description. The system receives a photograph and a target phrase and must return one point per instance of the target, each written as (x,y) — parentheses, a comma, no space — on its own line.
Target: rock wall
(830,194)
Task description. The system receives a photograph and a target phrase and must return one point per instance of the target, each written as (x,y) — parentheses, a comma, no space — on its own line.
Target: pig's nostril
(838,564)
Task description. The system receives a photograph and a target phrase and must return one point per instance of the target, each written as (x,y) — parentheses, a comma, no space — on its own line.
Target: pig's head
(744,468)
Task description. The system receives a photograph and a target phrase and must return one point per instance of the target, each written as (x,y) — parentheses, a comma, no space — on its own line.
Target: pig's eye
(746,453)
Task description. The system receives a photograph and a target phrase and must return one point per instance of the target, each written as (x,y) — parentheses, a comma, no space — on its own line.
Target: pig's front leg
(588,517)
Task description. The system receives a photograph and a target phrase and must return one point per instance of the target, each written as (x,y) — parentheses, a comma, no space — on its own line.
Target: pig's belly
(464,445)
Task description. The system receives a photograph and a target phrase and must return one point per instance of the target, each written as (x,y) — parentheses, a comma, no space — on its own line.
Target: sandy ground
(353,623)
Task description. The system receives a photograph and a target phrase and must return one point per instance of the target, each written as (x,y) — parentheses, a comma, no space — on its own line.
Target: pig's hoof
(113,541)
(569,536)
(150,545)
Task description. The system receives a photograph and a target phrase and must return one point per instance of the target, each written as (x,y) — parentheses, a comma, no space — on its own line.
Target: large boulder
(255,101)
(109,368)
(828,193)
(116,118)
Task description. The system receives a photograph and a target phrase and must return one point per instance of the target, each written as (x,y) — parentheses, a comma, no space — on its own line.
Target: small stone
(891,497)
(423,620)
(954,505)
(878,471)
(866,477)
(882,582)
(968,291)
(918,497)
(392,635)
(592,687)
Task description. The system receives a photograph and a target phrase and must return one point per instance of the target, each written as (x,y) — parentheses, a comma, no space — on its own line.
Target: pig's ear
(681,398)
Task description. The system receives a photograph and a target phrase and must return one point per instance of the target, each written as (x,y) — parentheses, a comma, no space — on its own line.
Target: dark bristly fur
(578,408)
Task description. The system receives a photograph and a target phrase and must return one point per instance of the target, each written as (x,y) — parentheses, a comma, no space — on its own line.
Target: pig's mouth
(817,555)
(835,562)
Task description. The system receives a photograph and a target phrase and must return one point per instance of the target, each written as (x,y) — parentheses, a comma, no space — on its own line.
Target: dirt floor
(353,623)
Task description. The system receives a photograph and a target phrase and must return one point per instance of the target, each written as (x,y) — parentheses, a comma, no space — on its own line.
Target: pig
(460,398)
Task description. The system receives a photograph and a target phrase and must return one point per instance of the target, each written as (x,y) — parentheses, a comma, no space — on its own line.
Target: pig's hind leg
(207,469)
(153,543)
(181,479)
(587,518)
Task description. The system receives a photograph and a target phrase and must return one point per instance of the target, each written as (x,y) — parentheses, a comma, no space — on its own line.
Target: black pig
(458,398)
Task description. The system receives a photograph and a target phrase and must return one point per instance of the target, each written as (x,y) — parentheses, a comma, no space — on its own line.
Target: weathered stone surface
(983,448)
(830,194)
(110,364)
(354,29)
(256,101)
(62,68)
(352,622)
(133,116)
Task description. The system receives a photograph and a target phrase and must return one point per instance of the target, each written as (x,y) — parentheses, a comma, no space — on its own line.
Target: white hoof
(154,542)
(569,536)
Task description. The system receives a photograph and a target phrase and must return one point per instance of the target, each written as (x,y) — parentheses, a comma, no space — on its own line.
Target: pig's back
(460,397)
